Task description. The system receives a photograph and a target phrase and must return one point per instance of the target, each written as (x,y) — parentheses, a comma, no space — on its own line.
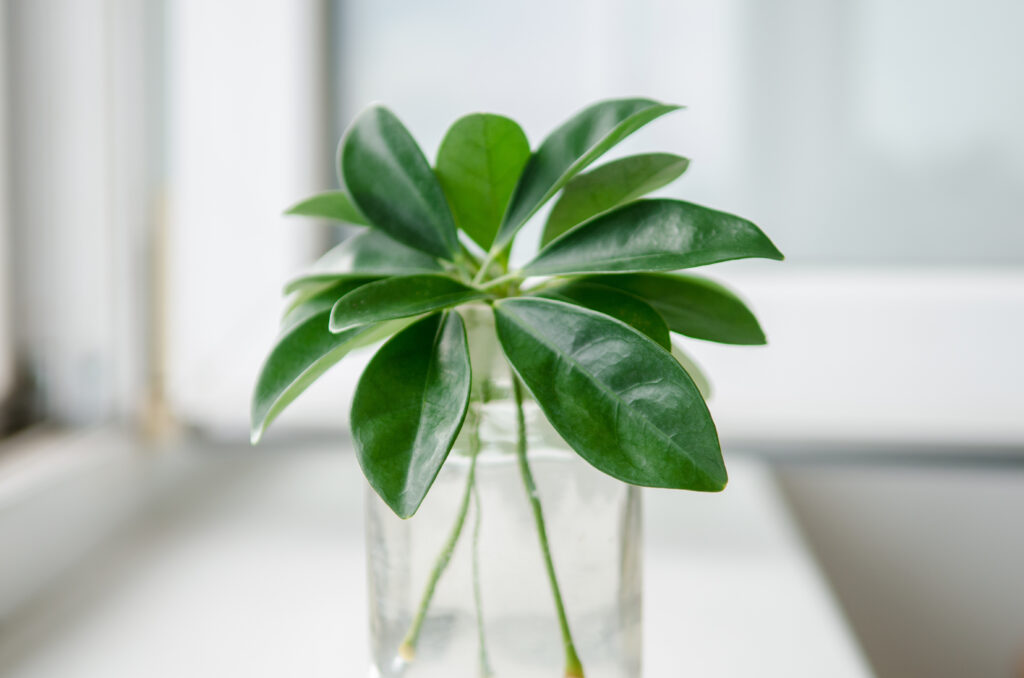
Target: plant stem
(407,650)
(493,254)
(502,279)
(485,663)
(474,450)
(573,668)
(468,258)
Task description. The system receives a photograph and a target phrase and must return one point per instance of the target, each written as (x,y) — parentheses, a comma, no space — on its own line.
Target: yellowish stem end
(407,652)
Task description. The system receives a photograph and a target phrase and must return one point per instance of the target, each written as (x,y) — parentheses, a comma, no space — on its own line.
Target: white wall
(927,561)
(244,142)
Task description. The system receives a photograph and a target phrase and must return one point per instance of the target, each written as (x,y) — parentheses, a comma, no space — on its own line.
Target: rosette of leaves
(585,324)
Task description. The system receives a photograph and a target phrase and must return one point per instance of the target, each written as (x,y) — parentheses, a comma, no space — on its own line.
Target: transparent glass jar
(463,588)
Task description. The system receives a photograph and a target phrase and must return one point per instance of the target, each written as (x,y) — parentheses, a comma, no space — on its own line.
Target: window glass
(855,132)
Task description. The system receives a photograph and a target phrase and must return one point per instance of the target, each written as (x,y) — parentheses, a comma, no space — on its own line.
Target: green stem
(508,277)
(493,254)
(468,258)
(407,650)
(485,663)
(573,667)
(474,448)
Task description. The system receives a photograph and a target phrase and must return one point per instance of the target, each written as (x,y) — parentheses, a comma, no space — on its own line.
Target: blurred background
(148,148)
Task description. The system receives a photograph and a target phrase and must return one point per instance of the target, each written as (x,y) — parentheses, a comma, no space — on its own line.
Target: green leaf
(391,182)
(301,355)
(611,185)
(478,165)
(652,235)
(570,149)
(693,306)
(620,305)
(620,400)
(333,205)
(408,408)
(369,254)
(399,297)
(694,370)
(316,300)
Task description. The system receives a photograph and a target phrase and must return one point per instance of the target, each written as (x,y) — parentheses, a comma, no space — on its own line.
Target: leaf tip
(717,480)
(757,337)
(299,209)
(338,323)
(399,505)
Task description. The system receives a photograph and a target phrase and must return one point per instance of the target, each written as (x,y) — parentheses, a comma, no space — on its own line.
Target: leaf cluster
(585,325)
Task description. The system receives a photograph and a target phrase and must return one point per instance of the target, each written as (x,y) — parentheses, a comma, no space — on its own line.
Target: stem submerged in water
(407,650)
(573,667)
(485,662)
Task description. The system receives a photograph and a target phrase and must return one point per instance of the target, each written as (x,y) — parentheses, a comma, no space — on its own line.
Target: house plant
(559,378)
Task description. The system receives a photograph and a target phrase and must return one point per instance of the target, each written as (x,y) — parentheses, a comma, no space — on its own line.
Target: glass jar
(465,587)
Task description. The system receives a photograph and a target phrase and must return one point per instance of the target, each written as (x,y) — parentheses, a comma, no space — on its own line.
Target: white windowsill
(253,566)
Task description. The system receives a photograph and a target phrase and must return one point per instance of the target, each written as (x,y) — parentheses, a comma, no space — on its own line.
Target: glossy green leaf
(408,408)
(399,297)
(694,370)
(611,185)
(620,400)
(620,305)
(478,165)
(334,205)
(301,355)
(693,306)
(652,235)
(369,254)
(391,182)
(318,299)
(570,149)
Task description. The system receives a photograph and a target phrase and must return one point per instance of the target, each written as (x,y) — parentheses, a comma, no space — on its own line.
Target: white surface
(871,355)
(77,490)
(243,145)
(256,569)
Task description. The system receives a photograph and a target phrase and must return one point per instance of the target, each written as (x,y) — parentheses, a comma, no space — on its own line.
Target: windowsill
(63,494)
(252,565)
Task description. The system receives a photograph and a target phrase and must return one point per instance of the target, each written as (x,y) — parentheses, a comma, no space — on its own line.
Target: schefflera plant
(585,324)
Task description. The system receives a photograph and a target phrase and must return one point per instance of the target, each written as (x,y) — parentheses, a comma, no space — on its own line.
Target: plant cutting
(512,411)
